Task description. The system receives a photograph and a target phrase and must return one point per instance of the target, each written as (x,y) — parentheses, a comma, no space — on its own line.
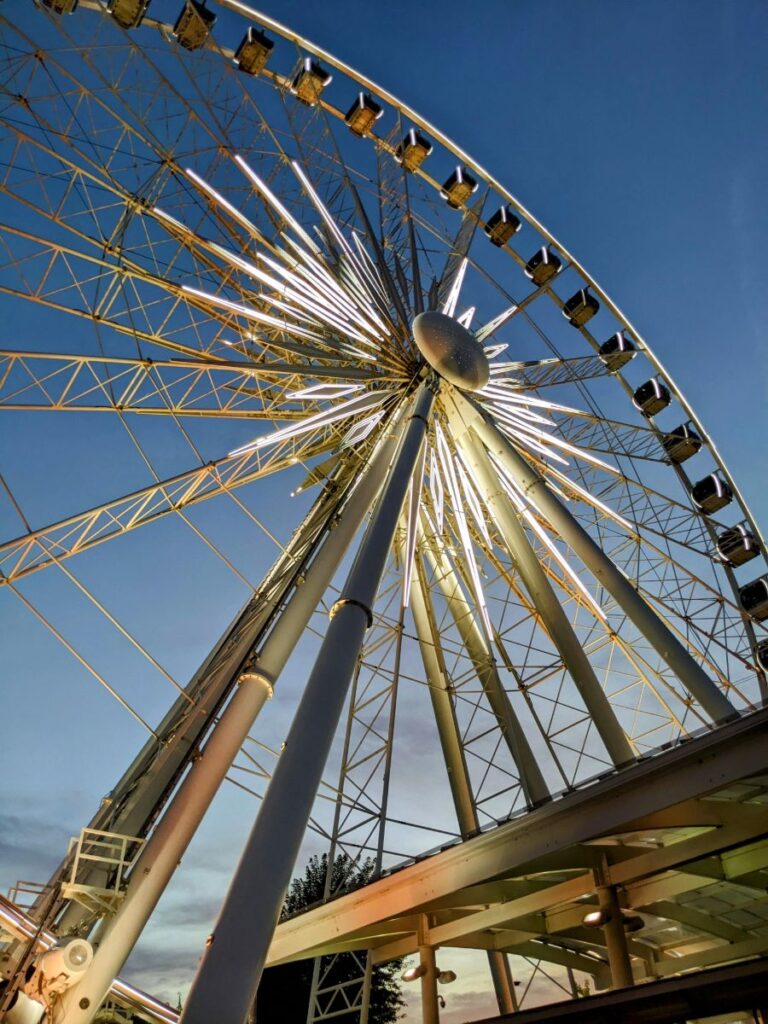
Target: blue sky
(636,134)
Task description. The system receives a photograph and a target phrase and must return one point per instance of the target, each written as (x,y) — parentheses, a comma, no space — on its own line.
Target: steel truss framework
(533,581)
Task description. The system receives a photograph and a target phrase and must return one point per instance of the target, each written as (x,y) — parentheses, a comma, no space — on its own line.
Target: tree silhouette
(283,996)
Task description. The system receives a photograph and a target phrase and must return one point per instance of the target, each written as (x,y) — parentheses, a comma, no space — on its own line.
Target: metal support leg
(531,778)
(138,798)
(167,844)
(503,983)
(430,1012)
(615,937)
(229,974)
(667,646)
(442,705)
(545,600)
(453,753)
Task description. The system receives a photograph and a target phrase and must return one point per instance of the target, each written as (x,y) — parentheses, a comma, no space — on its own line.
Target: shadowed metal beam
(732,752)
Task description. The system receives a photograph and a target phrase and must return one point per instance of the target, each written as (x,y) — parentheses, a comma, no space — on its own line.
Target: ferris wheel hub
(451,350)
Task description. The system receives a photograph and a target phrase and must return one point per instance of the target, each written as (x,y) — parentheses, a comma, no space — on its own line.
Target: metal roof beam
(679,775)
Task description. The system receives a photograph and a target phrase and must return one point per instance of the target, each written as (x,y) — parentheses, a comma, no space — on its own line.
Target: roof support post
(615,937)
(430,1012)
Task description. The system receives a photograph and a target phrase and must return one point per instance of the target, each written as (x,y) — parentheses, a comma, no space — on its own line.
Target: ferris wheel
(294,335)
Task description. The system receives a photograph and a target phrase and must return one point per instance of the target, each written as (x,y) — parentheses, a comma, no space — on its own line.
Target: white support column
(503,982)
(665,643)
(615,937)
(430,1011)
(168,842)
(229,973)
(545,600)
(442,705)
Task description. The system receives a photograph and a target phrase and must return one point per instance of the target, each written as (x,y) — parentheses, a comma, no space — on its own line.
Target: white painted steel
(541,592)
(667,646)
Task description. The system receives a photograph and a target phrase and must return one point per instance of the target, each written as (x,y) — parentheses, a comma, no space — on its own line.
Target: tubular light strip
(493,325)
(473,501)
(437,491)
(521,411)
(361,430)
(313,259)
(321,419)
(466,318)
(520,500)
(261,187)
(318,392)
(520,435)
(592,500)
(449,307)
(251,314)
(446,464)
(316,304)
(414,503)
(314,270)
(224,204)
(491,351)
(500,393)
(356,268)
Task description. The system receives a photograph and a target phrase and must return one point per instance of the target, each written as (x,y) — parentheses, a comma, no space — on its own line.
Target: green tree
(283,996)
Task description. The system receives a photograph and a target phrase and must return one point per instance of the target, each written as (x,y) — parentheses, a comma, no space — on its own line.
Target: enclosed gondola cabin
(617,351)
(711,494)
(128,13)
(502,225)
(542,266)
(193,25)
(413,150)
(754,599)
(651,397)
(253,52)
(580,308)
(309,80)
(363,114)
(61,6)
(458,188)
(761,653)
(681,443)
(737,545)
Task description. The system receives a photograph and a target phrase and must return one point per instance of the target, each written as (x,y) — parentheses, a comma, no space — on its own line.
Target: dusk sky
(636,132)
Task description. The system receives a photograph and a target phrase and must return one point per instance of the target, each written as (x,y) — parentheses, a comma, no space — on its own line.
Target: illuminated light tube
(449,307)
(224,204)
(318,392)
(519,501)
(251,314)
(466,319)
(446,463)
(272,199)
(321,419)
(493,325)
(491,351)
(355,267)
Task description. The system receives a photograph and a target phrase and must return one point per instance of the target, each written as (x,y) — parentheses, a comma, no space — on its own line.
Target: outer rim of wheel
(267,22)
